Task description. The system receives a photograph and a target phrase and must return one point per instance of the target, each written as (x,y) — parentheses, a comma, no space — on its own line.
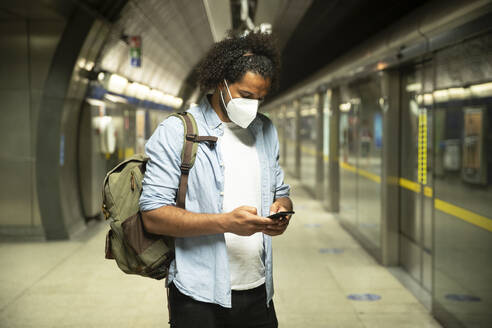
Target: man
(222,273)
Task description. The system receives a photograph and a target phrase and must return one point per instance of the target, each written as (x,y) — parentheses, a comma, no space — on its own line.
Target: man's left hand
(279,225)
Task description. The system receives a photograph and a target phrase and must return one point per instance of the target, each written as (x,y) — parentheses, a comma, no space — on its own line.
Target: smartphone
(279,215)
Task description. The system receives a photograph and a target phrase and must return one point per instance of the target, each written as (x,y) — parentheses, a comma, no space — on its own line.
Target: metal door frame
(390,191)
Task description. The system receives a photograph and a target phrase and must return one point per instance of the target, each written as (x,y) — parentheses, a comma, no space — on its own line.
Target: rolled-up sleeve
(161,180)
(281,189)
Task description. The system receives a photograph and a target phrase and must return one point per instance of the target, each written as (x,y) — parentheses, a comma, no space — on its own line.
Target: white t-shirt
(242,186)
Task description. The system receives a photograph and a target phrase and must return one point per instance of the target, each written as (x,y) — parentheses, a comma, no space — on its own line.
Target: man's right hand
(244,221)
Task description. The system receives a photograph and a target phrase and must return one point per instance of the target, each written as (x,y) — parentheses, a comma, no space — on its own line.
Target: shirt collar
(211,118)
(256,125)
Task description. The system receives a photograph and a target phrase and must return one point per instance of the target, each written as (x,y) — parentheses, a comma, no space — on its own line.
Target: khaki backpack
(135,250)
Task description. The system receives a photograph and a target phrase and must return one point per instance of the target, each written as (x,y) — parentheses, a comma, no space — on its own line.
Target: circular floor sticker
(463,298)
(364,297)
(331,250)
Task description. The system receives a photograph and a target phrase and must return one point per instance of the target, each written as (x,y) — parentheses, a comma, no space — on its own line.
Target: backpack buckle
(191,137)
(185,168)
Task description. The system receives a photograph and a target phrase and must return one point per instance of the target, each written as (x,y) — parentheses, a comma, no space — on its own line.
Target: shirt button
(221,164)
(222,193)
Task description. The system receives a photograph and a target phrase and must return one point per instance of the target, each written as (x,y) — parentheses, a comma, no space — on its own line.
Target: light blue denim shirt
(201,268)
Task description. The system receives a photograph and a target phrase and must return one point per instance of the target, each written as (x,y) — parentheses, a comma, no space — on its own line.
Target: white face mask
(241,111)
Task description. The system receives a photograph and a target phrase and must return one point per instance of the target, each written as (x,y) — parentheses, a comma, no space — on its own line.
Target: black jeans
(248,310)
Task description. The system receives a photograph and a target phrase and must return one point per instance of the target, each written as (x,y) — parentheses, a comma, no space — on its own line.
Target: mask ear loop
(222,97)
(228,88)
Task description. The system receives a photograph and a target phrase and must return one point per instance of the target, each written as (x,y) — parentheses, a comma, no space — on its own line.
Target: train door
(290,137)
(366,100)
(96,144)
(416,202)
(308,135)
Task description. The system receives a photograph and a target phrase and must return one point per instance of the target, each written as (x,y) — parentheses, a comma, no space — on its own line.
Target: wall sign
(136,51)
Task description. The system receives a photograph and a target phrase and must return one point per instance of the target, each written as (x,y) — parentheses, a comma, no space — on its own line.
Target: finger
(259,220)
(283,222)
(278,208)
(282,209)
(250,209)
(275,228)
(280,223)
(271,232)
(274,208)
(283,219)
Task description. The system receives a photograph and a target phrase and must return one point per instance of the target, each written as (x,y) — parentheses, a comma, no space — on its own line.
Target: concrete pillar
(320,140)
(283,146)
(297,170)
(333,199)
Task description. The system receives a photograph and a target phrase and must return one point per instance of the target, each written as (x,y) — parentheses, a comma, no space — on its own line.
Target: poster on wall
(451,154)
(474,169)
(378,131)
(136,51)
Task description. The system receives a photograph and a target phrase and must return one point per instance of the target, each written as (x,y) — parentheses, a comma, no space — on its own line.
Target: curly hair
(232,57)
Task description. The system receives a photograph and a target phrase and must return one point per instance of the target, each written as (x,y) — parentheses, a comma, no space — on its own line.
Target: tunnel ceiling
(31,10)
(106,10)
(175,34)
(284,15)
(330,28)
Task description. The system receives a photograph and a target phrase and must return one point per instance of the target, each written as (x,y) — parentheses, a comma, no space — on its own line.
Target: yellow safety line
(456,211)
(348,167)
(443,206)
(369,175)
(361,172)
(410,185)
(364,173)
(314,152)
(465,215)
(309,150)
(428,192)
(415,187)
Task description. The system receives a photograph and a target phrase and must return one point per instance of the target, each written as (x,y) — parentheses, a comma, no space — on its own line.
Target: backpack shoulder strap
(188,154)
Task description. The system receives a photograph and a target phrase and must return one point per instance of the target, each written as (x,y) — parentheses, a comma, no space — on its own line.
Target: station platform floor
(317,266)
